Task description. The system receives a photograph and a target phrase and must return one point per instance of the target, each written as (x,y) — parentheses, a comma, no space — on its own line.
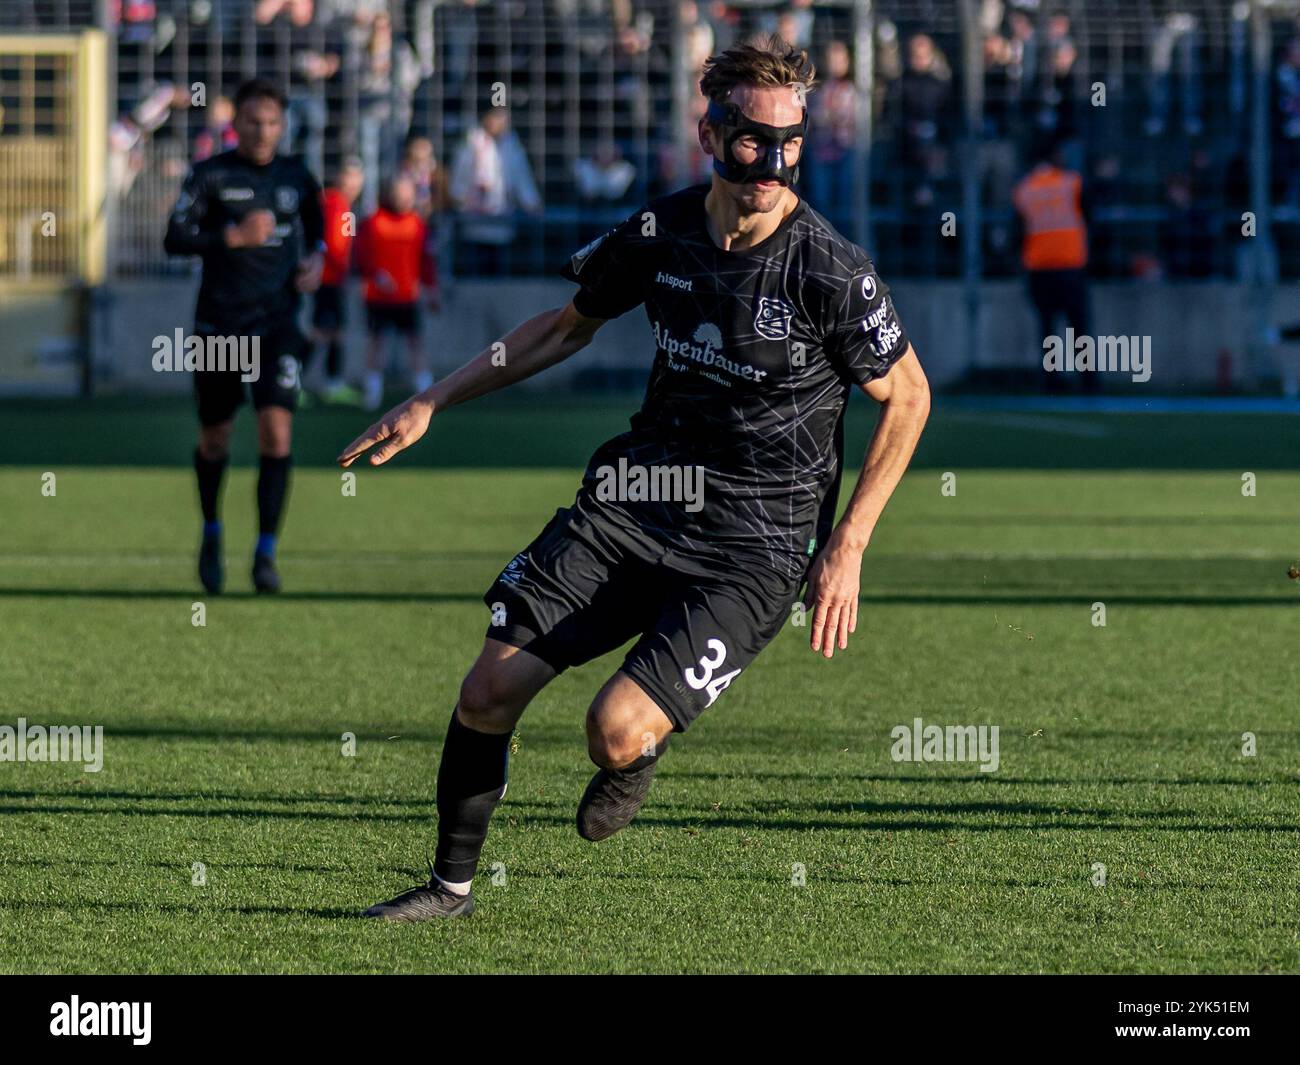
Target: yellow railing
(53,156)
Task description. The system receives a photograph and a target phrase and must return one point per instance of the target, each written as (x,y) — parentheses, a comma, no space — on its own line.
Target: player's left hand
(309,272)
(833,584)
(395,431)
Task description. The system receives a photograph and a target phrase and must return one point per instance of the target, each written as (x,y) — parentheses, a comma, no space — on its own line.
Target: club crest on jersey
(773,318)
(286,199)
(580,257)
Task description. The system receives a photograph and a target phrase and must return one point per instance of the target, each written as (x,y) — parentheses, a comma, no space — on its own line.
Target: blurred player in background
(396,260)
(329,315)
(254,218)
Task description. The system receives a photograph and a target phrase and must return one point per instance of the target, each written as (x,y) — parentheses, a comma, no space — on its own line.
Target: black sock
(272,487)
(471,781)
(210,472)
(334,359)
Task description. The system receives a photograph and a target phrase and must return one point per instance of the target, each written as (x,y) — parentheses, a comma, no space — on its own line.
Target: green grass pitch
(1120,745)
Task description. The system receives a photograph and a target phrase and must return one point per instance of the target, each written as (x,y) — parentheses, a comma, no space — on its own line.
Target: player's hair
(260,89)
(765,61)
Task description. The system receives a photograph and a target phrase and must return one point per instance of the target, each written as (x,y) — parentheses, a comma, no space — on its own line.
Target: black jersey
(757,351)
(242,286)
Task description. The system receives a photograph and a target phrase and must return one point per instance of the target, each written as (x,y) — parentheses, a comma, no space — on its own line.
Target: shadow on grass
(976,597)
(842,815)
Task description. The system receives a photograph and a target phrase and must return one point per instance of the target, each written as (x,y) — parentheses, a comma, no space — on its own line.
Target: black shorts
(278,368)
(591,581)
(403,318)
(327,309)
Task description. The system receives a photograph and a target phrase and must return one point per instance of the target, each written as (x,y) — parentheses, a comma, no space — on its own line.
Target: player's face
(772,106)
(259,124)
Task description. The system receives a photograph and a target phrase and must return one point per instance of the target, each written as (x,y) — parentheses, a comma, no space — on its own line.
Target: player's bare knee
(612,743)
(214,441)
(488,702)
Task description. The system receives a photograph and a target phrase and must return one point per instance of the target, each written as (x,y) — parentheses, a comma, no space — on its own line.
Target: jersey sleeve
(189,229)
(864,337)
(313,216)
(610,271)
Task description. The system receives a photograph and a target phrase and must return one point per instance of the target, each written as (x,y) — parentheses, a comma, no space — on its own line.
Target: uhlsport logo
(681,284)
(772,319)
(102,1018)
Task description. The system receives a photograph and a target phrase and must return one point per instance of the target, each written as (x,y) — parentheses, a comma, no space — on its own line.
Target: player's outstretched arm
(835,577)
(542,341)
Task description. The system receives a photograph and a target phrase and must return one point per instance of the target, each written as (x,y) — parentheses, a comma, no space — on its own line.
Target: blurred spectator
(421,166)
(388,73)
(1288,124)
(396,260)
(998,150)
(1049,200)
(924,88)
(1175,40)
(330,299)
(218,133)
(1056,98)
(1186,234)
(830,157)
(490,180)
(605,175)
(793,24)
(314,52)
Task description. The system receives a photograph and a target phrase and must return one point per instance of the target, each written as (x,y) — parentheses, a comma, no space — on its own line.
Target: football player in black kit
(764,320)
(254,217)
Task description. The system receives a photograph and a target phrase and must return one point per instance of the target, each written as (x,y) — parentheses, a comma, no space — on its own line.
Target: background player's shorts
(591,581)
(327,309)
(403,318)
(221,392)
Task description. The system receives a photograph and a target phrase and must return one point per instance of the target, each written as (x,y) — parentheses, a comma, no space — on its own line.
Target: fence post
(864,52)
(971,227)
(1263,260)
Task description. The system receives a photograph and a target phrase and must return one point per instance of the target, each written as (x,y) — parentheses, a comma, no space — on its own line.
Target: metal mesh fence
(926,107)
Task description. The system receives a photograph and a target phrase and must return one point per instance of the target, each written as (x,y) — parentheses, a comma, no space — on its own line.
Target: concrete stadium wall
(1190,324)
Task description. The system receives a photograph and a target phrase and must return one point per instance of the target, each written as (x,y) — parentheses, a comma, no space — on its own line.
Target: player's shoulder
(829,259)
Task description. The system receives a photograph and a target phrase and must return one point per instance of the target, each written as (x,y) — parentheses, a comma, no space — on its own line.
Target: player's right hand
(252,231)
(395,431)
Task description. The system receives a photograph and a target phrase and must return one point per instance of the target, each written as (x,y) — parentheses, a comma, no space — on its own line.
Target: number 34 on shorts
(704,676)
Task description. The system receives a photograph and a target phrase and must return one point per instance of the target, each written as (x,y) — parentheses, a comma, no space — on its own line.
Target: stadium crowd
(388,81)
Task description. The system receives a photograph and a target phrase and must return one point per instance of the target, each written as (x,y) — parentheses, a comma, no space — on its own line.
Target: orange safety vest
(1050,203)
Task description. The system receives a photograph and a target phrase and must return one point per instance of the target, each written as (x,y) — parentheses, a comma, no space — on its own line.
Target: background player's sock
(210,472)
(374,389)
(265,545)
(422,380)
(272,487)
(471,781)
(334,360)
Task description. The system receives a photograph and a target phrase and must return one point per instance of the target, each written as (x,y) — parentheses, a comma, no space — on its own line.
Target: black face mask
(732,124)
